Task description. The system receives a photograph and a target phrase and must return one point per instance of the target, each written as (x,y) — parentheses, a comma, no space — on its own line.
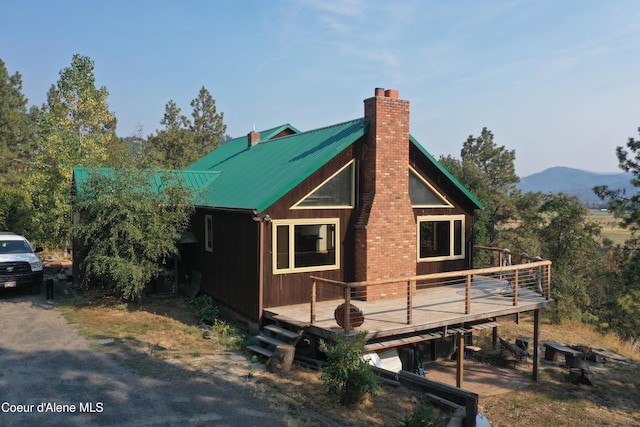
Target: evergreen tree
(15,128)
(182,141)
(208,125)
(169,147)
(624,298)
(494,179)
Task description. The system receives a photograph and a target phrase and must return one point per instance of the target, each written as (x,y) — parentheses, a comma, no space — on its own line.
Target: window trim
(291,223)
(451,219)
(445,203)
(208,233)
(352,191)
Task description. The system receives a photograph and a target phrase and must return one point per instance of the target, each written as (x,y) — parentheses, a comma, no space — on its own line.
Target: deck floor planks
(432,307)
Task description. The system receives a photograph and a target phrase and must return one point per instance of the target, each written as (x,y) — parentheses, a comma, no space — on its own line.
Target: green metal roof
(446,173)
(236,145)
(236,176)
(198,181)
(256,177)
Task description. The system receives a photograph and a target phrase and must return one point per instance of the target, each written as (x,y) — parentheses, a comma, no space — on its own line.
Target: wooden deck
(432,308)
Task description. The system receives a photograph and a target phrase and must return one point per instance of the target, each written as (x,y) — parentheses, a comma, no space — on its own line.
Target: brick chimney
(253,138)
(386,228)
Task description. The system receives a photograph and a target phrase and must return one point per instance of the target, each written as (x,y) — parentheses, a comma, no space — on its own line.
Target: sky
(558,81)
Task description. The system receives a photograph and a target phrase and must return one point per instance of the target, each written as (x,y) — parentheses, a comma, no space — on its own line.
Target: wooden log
(281,359)
(356,317)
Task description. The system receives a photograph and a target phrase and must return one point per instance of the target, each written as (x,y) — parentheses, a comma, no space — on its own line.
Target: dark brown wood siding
(295,288)
(230,272)
(461,206)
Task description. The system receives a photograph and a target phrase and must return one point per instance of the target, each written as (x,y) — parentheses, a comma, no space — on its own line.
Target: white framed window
(208,233)
(336,192)
(423,195)
(306,245)
(441,237)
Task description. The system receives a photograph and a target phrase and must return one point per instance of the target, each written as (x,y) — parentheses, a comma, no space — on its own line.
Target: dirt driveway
(50,376)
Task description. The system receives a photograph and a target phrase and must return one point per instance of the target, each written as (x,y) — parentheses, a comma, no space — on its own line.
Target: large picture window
(305,245)
(440,237)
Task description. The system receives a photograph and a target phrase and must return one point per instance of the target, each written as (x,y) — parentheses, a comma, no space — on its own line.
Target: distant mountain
(575,182)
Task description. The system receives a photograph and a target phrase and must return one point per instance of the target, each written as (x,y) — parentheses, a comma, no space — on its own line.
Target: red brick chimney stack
(253,137)
(386,237)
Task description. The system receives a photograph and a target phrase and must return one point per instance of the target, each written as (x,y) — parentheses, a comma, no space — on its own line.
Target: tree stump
(281,359)
(580,376)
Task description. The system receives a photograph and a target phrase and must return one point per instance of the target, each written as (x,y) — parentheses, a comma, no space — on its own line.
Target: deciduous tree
(130,220)
(74,128)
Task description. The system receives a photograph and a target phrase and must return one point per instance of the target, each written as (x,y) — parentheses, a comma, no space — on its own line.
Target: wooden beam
(494,335)
(460,360)
(536,344)
(313,302)
(347,310)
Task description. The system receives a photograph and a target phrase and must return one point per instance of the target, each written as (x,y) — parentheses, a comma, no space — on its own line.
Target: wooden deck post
(347,309)
(411,285)
(547,290)
(459,360)
(494,335)
(467,301)
(313,302)
(515,288)
(536,344)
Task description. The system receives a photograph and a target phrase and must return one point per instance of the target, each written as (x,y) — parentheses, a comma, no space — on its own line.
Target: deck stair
(271,337)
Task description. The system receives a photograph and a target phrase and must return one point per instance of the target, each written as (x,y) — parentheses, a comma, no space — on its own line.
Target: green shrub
(205,310)
(348,375)
(422,416)
(228,335)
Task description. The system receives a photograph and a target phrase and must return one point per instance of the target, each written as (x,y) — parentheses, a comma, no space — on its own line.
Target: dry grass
(610,226)
(613,400)
(167,329)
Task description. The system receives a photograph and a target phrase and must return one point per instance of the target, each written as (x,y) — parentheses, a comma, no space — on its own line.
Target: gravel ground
(52,376)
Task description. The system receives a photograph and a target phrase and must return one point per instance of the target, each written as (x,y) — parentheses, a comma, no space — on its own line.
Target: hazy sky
(558,81)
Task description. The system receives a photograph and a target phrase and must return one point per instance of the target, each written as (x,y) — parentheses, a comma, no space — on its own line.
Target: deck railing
(531,273)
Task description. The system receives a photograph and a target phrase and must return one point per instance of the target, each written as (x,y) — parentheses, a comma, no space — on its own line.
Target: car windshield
(14,247)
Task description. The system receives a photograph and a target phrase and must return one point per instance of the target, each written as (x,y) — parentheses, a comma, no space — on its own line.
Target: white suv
(19,265)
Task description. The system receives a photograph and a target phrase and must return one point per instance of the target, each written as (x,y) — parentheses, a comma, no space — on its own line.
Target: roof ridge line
(313,130)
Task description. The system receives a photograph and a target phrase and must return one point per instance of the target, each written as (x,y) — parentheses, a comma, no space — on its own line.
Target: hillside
(576,182)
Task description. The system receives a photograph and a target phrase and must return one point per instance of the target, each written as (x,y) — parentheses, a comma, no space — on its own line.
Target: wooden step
(283,332)
(260,350)
(271,341)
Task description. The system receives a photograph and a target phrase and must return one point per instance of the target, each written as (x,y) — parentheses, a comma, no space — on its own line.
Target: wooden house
(355,201)
(358,214)
(294,225)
